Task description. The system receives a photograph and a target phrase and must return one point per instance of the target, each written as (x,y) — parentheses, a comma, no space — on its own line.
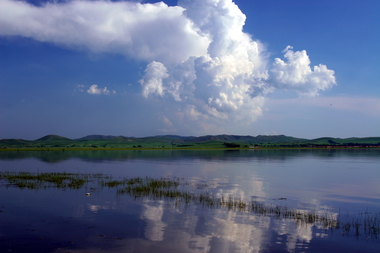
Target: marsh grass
(46,180)
(169,190)
(362,223)
(178,191)
(207,200)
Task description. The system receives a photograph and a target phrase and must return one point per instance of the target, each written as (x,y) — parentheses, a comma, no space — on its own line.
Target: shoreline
(180,148)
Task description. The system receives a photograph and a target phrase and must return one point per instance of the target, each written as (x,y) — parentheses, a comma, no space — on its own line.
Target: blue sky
(301,68)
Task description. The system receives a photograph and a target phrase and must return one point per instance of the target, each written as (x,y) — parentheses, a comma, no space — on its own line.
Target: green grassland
(55,142)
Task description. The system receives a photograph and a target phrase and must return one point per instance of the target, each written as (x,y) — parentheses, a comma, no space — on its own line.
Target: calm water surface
(342,184)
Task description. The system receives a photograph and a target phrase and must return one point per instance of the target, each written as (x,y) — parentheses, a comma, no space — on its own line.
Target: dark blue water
(337,183)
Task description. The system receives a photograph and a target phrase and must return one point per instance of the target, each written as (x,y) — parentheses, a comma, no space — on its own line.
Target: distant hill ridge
(52,137)
(169,141)
(223,137)
(97,137)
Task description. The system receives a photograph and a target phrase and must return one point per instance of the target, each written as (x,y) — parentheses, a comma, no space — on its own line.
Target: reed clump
(153,188)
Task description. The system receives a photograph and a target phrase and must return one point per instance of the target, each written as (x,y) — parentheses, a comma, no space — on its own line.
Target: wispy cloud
(340,116)
(168,126)
(363,105)
(79,88)
(198,57)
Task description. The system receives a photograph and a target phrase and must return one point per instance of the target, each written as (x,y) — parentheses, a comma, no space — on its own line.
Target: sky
(300,68)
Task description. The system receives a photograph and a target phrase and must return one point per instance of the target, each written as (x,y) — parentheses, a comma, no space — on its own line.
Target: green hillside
(14,142)
(353,140)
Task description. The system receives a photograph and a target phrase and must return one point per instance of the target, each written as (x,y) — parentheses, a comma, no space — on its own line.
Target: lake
(280,200)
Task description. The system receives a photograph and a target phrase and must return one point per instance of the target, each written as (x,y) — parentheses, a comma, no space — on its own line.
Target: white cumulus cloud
(154,74)
(296,74)
(143,31)
(95,90)
(198,57)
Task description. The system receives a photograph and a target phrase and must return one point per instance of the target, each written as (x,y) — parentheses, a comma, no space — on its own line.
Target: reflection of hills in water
(208,155)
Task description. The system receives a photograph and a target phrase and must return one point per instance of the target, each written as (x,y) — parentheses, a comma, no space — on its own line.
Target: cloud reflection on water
(193,228)
(197,230)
